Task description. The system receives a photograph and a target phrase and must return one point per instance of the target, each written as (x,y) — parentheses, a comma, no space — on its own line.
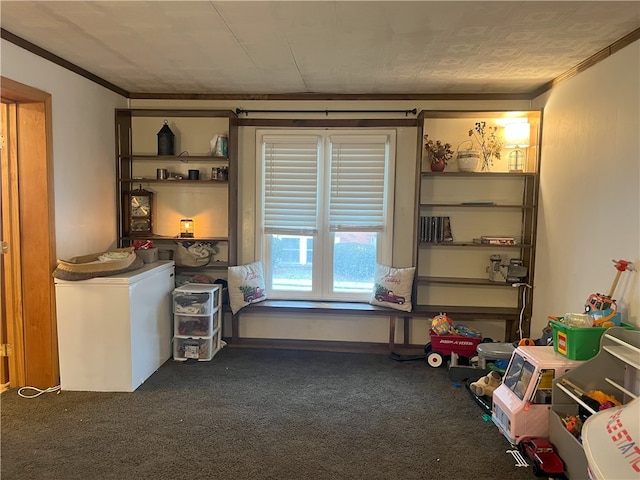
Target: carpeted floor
(261,414)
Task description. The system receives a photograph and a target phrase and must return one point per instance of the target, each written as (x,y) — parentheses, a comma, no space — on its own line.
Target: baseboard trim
(315,345)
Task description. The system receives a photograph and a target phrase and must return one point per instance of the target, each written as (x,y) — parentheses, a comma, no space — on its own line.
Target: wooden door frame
(11,260)
(31,323)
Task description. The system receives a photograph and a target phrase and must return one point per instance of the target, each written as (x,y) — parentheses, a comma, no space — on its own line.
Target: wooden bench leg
(407,326)
(234,328)
(392,333)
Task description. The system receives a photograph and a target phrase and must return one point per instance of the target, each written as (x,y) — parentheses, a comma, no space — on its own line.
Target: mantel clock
(140,212)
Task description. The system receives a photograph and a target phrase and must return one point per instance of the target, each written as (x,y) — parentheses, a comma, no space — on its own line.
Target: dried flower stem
(489,142)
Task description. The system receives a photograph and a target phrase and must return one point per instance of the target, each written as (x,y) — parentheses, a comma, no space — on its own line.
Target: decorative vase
(468,160)
(437,166)
(487,162)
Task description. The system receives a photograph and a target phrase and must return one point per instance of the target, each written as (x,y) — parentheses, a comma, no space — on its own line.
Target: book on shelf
(495,240)
(422,228)
(447,235)
(431,233)
(434,229)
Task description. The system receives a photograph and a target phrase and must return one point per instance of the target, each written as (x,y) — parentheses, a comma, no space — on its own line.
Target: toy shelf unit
(476,230)
(189,187)
(522,403)
(197,326)
(615,370)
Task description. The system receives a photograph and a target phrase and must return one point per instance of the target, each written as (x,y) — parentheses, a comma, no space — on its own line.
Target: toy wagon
(442,346)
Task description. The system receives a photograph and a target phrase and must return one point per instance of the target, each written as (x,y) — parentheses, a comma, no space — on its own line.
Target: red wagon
(442,346)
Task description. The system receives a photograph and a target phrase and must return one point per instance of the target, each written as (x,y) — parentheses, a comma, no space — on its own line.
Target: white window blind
(358,169)
(290,184)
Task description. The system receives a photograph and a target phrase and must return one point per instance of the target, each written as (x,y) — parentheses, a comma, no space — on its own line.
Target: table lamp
(517,137)
(187,228)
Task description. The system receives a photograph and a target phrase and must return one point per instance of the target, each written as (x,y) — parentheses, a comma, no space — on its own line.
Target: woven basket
(90,266)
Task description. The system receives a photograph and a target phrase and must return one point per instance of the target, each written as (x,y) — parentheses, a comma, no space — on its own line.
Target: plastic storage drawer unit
(195,299)
(197,322)
(198,348)
(193,325)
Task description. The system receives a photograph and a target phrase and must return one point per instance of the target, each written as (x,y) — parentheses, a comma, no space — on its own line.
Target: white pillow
(392,287)
(246,285)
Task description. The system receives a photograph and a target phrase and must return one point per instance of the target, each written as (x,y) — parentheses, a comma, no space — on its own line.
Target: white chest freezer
(115,331)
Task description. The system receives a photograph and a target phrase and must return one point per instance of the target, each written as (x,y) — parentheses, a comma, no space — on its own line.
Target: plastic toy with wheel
(434,359)
(441,347)
(600,301)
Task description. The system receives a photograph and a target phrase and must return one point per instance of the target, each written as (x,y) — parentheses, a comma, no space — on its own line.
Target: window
(324,211)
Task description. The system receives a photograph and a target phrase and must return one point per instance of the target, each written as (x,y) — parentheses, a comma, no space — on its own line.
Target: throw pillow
(246,285)
(392,287)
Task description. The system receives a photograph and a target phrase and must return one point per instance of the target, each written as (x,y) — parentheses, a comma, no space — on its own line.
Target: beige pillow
(246,285)
(392,287)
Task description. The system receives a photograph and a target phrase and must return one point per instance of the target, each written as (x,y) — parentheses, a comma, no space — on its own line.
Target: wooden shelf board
(167,112)
(181,158)
(177,239)
(468,312)
(461,281)
(478,174)
(473,205)
(214,265)
(471,244)
(156,180)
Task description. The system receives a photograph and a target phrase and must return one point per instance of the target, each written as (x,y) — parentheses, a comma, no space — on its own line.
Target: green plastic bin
(578,343)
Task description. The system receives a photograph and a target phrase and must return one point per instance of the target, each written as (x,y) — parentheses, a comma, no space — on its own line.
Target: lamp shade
(516,135)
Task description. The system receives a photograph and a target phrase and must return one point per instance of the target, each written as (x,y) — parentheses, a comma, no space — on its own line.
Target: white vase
(468,160)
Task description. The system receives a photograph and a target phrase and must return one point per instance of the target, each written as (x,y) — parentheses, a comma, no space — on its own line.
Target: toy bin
(195,299)
(194,325)
(494,351)
(198,348)
(578,343)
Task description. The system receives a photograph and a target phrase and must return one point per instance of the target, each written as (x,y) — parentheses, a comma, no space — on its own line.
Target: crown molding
(41,52)
(589,62)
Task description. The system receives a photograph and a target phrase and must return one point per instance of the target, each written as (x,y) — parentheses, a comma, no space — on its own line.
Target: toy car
(253,295)
(545,460)
(389,296)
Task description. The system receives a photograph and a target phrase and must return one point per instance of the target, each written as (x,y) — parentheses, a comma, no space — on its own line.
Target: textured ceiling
(331,47)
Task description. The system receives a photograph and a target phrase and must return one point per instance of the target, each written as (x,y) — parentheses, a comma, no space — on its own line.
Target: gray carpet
(261,414)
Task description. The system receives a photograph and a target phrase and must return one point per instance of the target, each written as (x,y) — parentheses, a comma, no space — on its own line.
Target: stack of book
(495,240)
(434,229)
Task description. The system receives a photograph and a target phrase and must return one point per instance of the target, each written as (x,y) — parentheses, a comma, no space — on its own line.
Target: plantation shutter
(358,169)
(290,184)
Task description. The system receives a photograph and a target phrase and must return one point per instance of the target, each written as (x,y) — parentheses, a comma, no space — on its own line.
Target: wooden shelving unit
(451,276)
(205,199)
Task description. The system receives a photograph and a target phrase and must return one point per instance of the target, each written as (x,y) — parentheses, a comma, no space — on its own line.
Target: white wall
(590,183)
(83,150)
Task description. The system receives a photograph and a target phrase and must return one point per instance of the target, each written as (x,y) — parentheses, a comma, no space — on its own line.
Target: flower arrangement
(438,151)
(489,142)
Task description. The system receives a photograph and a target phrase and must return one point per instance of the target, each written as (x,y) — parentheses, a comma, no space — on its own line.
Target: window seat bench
(460,314)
